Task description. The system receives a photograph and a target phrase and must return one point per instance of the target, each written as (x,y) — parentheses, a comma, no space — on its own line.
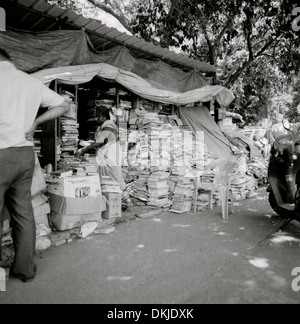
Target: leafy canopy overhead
(212,30)
(254,44)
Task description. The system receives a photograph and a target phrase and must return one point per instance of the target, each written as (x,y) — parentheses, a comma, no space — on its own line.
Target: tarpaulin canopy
(33,52)
(85,73)
(199,119)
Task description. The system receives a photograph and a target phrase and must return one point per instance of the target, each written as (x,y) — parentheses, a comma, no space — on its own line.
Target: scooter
(284,175)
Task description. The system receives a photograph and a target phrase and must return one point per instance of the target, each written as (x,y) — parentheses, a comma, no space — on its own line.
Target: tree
(69,4)
(255,89)
(116,8)
(215,29)
(253,43)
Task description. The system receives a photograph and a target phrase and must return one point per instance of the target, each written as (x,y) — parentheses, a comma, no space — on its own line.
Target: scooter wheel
(283,213)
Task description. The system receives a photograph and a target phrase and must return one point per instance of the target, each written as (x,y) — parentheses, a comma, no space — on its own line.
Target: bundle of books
(124,104)
(141,187)
(158,189)
(259,170)
(81,167)
(70,136)
(146,105)
(182,199)
(243,186)
(111,91)
(108,103)
(202,202)
(149,119)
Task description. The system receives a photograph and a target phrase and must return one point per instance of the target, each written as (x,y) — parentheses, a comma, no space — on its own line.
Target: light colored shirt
(110,154)
(21,96)
(107,125)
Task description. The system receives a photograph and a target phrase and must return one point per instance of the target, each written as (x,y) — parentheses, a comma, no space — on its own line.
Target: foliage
(90,8)
(69,4)
(253,91)
(251,42)
(293,113)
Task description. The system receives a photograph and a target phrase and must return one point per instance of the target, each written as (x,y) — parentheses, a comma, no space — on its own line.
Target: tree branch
(108,7)
(232,79)
(210,45)
(248,32)
(249,45)
(270,41)
(228,24)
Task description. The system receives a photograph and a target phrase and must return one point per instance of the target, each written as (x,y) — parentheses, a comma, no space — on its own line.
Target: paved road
(174,259)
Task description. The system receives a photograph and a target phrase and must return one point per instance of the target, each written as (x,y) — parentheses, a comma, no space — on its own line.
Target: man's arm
(52,113)
(90,147)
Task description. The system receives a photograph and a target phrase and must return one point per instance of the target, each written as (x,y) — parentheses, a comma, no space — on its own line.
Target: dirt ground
(174,259)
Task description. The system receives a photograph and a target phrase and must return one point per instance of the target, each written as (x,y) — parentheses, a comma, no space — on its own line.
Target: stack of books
(108,103)
(140,186)
(70,136)
(158,189)
(124,104)
(182,199)
(147,104)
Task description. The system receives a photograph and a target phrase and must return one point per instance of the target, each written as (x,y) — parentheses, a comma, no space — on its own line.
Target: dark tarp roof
(38,15)
(33,52)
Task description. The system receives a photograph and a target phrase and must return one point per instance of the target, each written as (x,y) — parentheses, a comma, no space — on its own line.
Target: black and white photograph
(149,155)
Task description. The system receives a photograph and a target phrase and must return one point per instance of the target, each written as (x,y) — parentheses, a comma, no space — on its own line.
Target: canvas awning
(84,73)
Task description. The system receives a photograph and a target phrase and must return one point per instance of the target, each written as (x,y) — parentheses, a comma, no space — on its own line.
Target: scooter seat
(290,207)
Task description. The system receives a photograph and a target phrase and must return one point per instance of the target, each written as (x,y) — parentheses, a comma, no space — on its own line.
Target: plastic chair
(222,183)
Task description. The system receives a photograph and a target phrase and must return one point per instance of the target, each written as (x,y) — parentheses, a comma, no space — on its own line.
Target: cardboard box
(42,220)
(68,213)
(76,186)
(39,200)
(66,222)
(114,205)
(71,206)
(42,209)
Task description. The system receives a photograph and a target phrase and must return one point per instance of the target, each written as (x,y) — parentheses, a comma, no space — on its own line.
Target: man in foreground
(21,96)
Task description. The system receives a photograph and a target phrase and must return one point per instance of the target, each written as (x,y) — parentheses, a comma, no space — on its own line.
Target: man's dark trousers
(16,172)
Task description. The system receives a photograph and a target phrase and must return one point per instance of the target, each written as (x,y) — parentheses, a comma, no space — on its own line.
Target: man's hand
(79,152)
(30,134)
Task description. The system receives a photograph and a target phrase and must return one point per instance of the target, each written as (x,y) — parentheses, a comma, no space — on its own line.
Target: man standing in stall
(109,150)
(21,96)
